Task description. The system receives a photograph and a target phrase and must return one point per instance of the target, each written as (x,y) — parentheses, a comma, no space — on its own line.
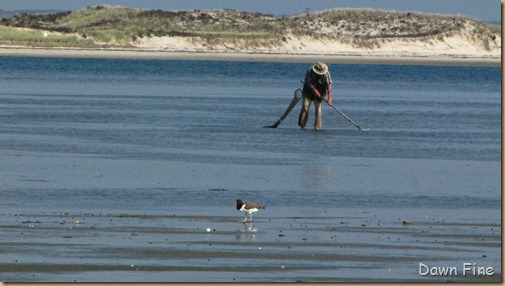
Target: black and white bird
(248,208)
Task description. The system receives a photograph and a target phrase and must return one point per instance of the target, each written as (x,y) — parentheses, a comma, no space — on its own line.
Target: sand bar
(244,56)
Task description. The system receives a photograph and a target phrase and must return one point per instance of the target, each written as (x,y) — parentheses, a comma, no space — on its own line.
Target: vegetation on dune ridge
(103,25)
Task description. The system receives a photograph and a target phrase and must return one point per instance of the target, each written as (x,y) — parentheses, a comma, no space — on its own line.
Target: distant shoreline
(248,57)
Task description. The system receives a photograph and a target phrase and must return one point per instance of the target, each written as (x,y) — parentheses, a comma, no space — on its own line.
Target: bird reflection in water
(248,232)
(249,227)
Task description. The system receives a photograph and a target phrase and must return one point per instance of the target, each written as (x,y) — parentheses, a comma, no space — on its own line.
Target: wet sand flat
(157,248)
(99,234)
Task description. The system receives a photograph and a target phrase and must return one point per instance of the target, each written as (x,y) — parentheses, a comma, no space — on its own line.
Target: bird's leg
(250,214)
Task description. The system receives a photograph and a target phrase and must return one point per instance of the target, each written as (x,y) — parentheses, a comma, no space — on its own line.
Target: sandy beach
(343,58)
(331,36)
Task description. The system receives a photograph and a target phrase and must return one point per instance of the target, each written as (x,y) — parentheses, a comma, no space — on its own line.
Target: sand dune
(455,46)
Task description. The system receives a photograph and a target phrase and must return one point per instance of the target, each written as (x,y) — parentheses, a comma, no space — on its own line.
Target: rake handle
(344,115)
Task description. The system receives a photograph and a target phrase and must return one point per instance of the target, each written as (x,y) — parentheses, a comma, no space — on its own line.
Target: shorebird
(248,208)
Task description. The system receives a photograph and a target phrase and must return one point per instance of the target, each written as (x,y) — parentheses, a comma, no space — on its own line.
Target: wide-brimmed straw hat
(320,68)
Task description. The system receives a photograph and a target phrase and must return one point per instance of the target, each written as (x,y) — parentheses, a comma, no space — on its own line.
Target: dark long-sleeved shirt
(322,83)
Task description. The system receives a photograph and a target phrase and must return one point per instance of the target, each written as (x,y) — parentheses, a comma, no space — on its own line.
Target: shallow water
(154,109)
(148,154)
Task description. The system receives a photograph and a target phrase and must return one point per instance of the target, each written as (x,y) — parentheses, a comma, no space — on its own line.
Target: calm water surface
(142,109)
(157,137)
(208,112)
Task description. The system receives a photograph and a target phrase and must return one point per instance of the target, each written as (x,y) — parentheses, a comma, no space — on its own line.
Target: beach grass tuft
(37,37)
